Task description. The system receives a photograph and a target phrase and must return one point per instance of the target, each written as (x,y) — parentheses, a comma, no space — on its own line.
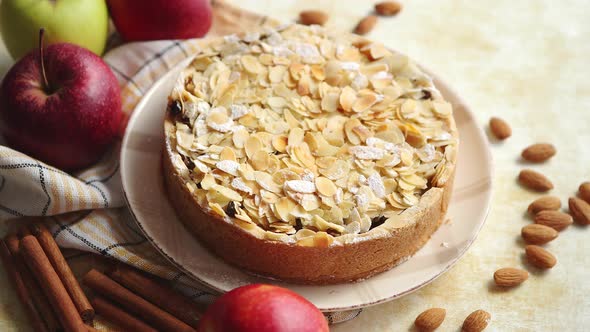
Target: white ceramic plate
(142,182)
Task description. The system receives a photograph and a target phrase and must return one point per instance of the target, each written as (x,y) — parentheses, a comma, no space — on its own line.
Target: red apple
(62,107)
(161,19)
(262,308)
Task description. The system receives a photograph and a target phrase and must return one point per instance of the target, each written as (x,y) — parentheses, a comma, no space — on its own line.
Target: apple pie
(308,155)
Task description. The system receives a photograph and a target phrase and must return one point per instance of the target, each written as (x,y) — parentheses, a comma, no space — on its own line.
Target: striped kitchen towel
(86,210)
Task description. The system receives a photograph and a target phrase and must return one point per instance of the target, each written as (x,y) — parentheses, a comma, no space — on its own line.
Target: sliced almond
(227,193)
(534,180)
(430,320)
(476,321)
(538,234)
(347,98)
(317,72)
(251,64)
(330,102)
(363,103)
(544,203)
(276,73)
(500,128)
(325,186)
(283,208)
(227,154)
(554,219)
(252,145)
(510,277)
(540,257)
(580,210)
(322,240)
(260,160)
(279,143)
(539,152)
(352,137)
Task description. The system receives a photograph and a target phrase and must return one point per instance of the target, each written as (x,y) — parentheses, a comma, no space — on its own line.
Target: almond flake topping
(309,134)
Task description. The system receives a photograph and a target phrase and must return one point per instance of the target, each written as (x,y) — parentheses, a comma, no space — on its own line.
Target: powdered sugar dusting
(228,166)
(350,66)
(240,185)
(308,52)
(238,111)
(360,81)
(308,176)
(362,200)
(381,75)
(366,152)
(338,196)
(300,186)
(376,184)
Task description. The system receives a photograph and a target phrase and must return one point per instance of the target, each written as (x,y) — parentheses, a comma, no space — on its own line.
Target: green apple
(81,22)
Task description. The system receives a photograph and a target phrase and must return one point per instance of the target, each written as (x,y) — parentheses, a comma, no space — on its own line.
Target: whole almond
(539,152)
(500,128)
(540,257)
(309,17)
(534,180)
(584,191)
(476,321)
(430,319)
(366,25)
(388,8)
(538,234)
(544,203)
(510,277)
(580,210)
(554,219)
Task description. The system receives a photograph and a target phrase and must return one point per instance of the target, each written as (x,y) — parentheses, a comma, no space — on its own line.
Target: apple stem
(41,34)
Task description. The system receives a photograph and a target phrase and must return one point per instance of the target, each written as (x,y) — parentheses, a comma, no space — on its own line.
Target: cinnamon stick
(56,293)
(21,290)
(109,288)
(113,314)
(154,291)
(22,232)
(38,297)
(60,265)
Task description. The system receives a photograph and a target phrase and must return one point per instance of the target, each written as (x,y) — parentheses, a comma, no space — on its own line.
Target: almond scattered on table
(534,180)
(430,319)
(580,210)
(510,277)
(366,25)
(544,203)
(540,257)
(500,128)
(584,191)
(554,219)
(539,152)
(388,8)
(538,234)
(476,321)
(309,17)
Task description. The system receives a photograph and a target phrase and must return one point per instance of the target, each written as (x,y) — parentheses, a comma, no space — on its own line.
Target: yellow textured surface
(526,61)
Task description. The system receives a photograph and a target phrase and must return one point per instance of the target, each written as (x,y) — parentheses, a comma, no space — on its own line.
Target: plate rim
(217,291)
